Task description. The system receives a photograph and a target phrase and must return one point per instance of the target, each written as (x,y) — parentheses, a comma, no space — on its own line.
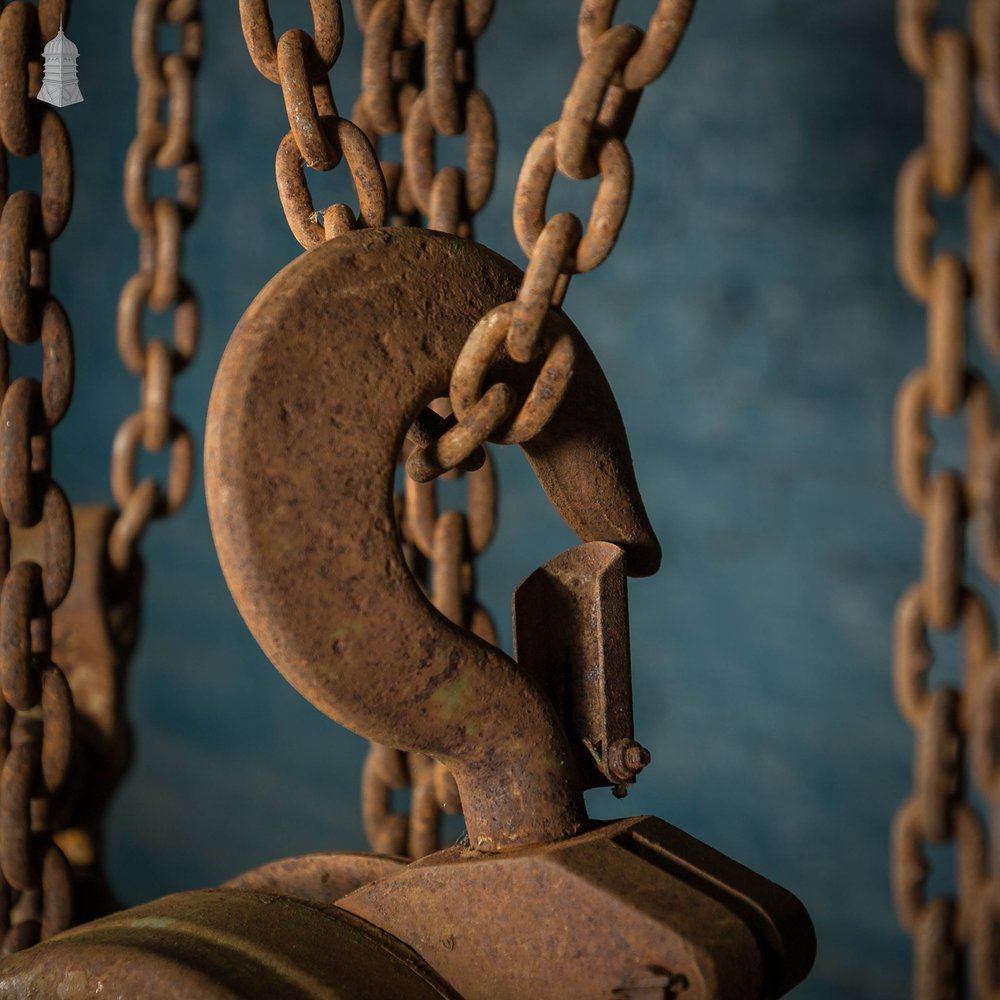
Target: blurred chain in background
(166,145)
(77,603)
(956,726)
(91,602)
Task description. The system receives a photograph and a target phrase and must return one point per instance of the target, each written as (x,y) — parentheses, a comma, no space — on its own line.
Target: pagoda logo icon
(59,84)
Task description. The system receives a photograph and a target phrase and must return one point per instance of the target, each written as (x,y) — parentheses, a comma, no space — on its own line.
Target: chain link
(618,62)
(391,78)
(418,81)
(165,81)
(318,136)
(954,935)
(36,706)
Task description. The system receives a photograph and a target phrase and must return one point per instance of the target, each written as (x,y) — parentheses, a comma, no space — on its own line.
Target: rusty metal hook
(322,378)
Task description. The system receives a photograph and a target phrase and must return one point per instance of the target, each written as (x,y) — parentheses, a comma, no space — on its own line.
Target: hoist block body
(586,916)
(223,944)
(628,906)
(317,878)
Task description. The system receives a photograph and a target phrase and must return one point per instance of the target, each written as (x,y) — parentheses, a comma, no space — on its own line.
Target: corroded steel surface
(618,61)
(571,636)
(585,917)
(222,944)
(321,380)
(317,878)
(318,137)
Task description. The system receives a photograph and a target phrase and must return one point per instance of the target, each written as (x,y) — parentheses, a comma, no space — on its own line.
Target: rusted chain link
(318,137)
(954,934)
(618,62)
(36,707)
(391,78)
(165,145)
(449,105)
(418,82)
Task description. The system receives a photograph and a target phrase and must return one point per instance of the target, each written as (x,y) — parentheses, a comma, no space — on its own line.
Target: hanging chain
(418,81)
(449,105)
(318,137)
(418,75)
(36,708)
(954,934)
(165,145)
(391,78)
(619,62)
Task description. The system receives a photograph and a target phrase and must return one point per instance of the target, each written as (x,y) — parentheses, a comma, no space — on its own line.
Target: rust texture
(317,878)
(318,137)
(571,636)
(223,944)
(329,378)
(617,63)
(301,448)
(583,917)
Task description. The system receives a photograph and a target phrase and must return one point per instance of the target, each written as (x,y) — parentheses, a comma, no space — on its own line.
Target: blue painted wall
(754,332)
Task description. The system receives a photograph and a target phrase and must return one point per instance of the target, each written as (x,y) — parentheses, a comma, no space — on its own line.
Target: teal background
(753,329)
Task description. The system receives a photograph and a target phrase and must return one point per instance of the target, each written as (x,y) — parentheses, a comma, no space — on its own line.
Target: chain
(391,79)
(619,62)
(158,285)
(449,105)
(956,726)
(36,707)
(418,82)
(318,137)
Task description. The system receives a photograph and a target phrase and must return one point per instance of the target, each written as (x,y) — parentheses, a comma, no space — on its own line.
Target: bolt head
(626,759)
